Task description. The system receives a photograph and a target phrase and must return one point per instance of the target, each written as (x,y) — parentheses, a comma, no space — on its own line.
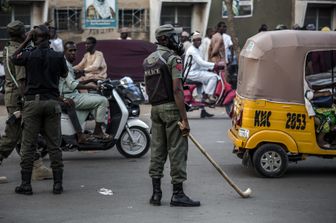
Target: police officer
(41,111)
(163,74)
(15,82)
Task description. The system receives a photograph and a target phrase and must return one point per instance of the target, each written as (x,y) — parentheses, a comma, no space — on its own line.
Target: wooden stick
(243,194)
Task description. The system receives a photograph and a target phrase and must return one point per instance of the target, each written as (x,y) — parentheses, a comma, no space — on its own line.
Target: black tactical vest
(158,80)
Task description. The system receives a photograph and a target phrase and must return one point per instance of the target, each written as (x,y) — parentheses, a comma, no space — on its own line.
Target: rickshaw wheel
(270,160)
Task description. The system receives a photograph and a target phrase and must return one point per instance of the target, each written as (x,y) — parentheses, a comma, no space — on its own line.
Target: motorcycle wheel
(136,149)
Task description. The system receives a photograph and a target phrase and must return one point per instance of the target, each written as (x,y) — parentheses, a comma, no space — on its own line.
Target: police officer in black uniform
(41,111)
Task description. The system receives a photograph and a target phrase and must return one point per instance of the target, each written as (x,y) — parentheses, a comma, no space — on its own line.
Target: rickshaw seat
(323,101)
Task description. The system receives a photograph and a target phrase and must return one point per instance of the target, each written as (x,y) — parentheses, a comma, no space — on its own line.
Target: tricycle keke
(284,109)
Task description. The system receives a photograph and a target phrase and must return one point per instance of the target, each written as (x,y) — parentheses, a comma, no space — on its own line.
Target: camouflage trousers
(167,140)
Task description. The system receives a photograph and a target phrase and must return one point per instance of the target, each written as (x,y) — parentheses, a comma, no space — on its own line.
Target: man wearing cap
(185,40)
(41,110)
(199,71)
(163,79)
(124,32)
(15,82)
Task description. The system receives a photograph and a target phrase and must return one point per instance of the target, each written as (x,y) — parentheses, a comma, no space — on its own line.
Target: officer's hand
(79,73)
(219,66)
(92,86)
(93,80)
(30,35)
(184,127)
(68,102)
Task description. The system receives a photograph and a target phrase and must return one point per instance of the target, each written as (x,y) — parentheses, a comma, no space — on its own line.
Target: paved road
(305,194)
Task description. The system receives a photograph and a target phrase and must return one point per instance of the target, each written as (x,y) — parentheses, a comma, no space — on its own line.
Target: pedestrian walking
(41,110)
(163,79)
(217,48)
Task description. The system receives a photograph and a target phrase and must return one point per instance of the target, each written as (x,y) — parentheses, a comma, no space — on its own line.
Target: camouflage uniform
(163,72)
(12,132)
(167,138)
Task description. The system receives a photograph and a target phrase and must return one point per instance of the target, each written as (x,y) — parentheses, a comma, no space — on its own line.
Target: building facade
(142,17)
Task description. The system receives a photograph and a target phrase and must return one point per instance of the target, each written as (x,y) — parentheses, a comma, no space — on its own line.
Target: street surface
(306,193)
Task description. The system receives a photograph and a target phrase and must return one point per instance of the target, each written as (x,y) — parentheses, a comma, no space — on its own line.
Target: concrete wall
(98,33)
(130,4)
(200,14)
(270,12)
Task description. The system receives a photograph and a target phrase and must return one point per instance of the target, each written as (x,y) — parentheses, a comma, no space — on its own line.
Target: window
(319,15)
(320,68)
(16,12)
(179,15)
(136,19)
(241,8)
(68,19)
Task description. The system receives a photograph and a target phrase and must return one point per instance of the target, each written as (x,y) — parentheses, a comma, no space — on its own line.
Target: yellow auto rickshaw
(278,115)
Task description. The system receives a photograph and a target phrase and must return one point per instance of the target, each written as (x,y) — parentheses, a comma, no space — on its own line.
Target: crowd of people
(42,81)
(310,27)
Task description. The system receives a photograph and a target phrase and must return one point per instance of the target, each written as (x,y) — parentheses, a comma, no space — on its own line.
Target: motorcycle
(130,134)
(224,93)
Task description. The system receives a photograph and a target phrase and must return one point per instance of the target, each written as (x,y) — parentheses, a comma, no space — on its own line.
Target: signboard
(100,14)
(241,8)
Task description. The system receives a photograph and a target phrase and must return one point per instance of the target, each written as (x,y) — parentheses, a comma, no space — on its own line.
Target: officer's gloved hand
(184,127)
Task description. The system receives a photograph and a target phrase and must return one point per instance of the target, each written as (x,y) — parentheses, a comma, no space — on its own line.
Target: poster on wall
(100,14)
(241,8)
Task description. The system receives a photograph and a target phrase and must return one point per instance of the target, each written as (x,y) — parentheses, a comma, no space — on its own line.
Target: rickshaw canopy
(272,63)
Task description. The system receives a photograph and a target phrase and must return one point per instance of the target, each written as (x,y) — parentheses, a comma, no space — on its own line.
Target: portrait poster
(100,14)
(241,8)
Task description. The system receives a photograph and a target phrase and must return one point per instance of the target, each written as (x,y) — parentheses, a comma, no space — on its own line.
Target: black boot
(157,193)
(180,199)
(205,114)
(58,179)
(25,187)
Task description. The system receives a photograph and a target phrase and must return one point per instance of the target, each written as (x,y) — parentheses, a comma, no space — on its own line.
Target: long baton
(243,194)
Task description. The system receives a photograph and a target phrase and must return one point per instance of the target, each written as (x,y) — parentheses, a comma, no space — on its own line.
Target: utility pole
(231,27)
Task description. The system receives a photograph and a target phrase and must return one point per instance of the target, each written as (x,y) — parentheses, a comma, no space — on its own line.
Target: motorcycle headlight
(135,112)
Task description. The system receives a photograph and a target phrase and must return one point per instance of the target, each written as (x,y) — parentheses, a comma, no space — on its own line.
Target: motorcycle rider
(199,71)
(93,64)
(84,102)
(163,79)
